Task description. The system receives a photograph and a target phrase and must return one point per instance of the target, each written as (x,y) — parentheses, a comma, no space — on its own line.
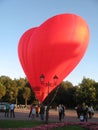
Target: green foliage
(65,94)
(2,90)
(26,94)
(96,88)
(14,90)
(19,91)
(86,91)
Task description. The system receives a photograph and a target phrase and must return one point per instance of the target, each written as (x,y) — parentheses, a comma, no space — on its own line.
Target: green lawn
(31,124)
(19,123)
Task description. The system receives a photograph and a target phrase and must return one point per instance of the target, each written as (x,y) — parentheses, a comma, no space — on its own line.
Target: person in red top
(31,107)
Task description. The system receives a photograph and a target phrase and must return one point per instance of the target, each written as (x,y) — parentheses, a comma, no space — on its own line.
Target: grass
(19,123)
(31,124)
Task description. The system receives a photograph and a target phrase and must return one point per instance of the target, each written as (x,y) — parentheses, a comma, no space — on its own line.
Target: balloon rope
(54,96)
(48,107)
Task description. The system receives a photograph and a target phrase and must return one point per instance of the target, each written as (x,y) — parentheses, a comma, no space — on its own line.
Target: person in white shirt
(12,113)
(33,112)
(60,110)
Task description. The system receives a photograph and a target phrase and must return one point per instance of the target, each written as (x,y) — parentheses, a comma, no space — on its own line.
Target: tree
(32,98)
(87,92)
(65,94)
(20,84)
(96,89)
(26,94)
(8,83)
(2,90)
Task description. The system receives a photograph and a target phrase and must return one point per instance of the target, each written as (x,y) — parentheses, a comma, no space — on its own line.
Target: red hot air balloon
(54,48)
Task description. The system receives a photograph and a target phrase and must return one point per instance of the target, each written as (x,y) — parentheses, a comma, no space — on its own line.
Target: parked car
(3,106)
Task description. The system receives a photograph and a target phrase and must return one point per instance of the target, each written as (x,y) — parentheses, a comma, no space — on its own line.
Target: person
(12,113)
(85,112)
(42,111)
(37,111)
(7,110)
(31,107)
(33,112)
(60,110)
(63,111)
(90,112)
(78,109)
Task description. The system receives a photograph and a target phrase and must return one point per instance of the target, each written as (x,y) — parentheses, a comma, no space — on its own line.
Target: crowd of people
(40,111)
(84,112)
(36,111)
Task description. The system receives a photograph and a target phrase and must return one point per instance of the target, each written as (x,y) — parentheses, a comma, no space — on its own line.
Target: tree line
(19,92)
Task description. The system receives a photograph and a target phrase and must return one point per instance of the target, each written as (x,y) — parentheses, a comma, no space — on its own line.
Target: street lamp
(48,84)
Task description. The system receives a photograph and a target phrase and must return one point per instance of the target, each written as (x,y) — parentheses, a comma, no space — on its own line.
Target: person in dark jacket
(42,111)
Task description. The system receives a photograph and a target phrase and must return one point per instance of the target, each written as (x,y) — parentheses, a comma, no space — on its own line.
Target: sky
(17,16)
